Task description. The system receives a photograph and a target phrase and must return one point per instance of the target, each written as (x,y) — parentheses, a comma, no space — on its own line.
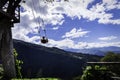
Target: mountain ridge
(97,51)
(41,61)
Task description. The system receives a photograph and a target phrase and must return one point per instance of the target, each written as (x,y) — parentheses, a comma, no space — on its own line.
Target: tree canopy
(111,57)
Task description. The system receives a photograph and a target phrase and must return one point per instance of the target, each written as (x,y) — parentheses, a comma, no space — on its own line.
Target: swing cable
(43,38)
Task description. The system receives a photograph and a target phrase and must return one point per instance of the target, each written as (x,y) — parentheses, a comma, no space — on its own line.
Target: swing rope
(43,38)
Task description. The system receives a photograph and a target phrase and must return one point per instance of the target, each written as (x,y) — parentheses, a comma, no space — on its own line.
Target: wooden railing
(116,78)
(102,63)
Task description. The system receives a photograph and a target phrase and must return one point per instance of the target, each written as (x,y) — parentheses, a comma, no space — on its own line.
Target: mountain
(111,48)
(103,50)
(97,51)
(40,61)
(93,51)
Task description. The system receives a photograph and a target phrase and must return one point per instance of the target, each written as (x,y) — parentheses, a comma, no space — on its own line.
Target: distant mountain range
(97,51)
(40,61)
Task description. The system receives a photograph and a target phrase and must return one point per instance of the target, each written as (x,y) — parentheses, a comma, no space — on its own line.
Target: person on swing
(44,40)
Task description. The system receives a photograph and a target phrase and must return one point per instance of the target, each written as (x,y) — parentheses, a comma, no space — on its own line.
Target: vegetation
(112,57)
(96,73)
(39,79)
(18,65)
(1,71)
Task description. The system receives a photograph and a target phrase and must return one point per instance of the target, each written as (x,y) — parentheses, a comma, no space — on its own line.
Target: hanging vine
(18,64)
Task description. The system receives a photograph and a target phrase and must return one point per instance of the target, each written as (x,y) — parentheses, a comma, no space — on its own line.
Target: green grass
(39,79)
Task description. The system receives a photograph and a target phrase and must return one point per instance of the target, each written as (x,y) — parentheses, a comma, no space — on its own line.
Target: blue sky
(76,24)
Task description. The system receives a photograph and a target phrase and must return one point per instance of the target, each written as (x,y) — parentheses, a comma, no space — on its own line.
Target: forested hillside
(40,61)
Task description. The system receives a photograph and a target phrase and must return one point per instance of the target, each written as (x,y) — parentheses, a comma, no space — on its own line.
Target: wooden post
(6,49)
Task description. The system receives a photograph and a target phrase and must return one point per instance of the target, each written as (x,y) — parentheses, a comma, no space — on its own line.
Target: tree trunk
(6,49)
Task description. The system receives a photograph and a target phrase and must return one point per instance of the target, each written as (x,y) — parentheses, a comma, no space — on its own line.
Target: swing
(44,39)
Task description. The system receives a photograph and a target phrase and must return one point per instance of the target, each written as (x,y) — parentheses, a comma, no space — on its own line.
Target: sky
(73,24)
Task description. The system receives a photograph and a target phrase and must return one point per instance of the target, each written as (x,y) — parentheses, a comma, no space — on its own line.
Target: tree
(112,57)
(7,20)
(96,73)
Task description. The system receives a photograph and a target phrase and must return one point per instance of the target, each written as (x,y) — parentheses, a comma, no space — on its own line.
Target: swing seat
(44,40)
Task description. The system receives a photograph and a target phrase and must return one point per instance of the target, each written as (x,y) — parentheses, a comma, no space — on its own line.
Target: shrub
(96,73)
(17,64)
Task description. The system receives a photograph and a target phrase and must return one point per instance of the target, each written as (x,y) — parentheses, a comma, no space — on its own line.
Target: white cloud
(55,28)
(78,8)
(53,13)
(111,4)
(70,44)
(100,11)
(75,33)
(108,38)
(27,25)
(61,43)
(21,34)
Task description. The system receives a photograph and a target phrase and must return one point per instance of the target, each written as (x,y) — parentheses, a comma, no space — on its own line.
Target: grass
(1,74)
(39,79)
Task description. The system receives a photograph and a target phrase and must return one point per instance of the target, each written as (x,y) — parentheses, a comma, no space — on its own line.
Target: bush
(17,64)
(1,71)
(112,57)
(96,73)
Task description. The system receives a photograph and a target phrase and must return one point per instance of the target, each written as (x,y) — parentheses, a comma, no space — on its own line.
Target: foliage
(77,78)
(17,64)
(39,73)
(112,57)
(1,71)
(96,73)
(39,79)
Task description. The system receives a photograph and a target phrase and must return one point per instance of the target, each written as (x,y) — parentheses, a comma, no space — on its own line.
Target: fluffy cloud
(108,38)
(55,28)
(53,13)
(61,43)
(42,10)
(75,33)
(22,35)
(111,4)
(100,11)
(79,8)
(26,26)
(68,43)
